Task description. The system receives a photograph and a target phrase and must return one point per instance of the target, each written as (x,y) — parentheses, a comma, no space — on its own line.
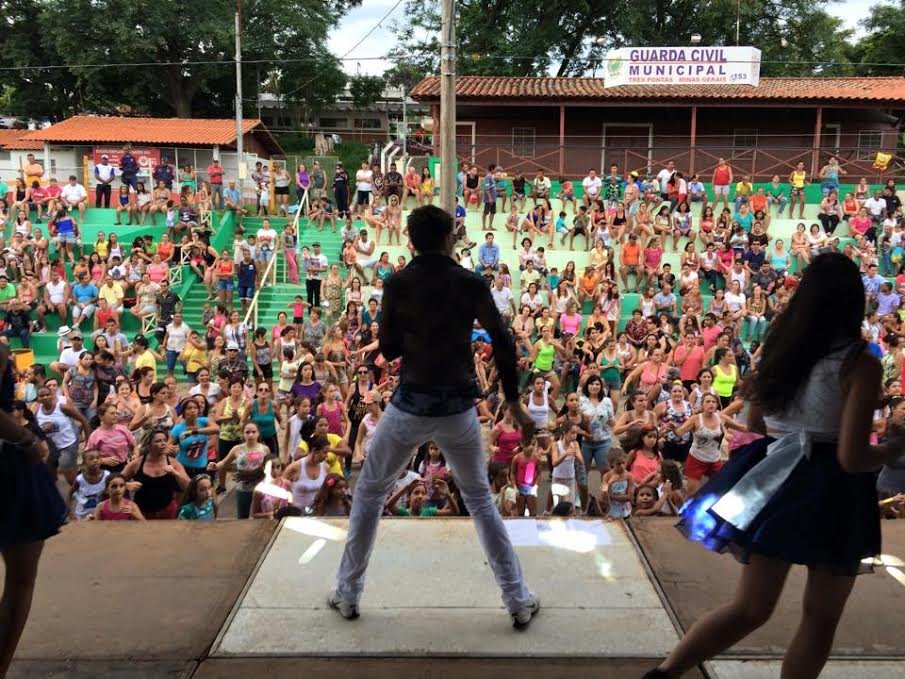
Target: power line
(348,51)
(386,57)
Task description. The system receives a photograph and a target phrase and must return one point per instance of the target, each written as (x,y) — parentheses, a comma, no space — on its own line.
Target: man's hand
(524,421)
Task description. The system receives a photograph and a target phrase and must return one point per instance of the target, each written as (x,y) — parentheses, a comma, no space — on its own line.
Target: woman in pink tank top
(504,439)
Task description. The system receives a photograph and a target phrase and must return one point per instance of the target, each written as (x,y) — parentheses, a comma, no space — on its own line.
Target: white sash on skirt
(745,501)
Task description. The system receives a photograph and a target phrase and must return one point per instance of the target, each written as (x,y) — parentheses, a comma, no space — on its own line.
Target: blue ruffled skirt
(31,508)
(820,516)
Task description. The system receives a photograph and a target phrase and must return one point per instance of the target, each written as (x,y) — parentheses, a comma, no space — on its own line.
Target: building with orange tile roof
(72,145)
(567,125)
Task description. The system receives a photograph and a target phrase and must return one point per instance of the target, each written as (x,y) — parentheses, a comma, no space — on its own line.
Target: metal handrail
(253,307)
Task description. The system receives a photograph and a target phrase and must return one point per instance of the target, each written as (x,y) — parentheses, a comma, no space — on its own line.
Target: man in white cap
(234,362)
(69,356)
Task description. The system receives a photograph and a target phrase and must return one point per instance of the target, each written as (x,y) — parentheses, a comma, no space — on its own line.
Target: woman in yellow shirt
(194,355)
(798,179)
(101,246)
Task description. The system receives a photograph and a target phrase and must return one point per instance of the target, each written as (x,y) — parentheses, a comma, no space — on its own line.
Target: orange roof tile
(118,130)
(472,87)
(14,140)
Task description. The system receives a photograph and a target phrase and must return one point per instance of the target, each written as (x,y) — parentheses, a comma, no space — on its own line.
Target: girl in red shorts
(704,456)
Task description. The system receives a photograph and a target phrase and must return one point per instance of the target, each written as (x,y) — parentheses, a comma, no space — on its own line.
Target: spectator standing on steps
(104,173)
(165,173)
(315,265)
(490,195)
(128,169)
(215,178)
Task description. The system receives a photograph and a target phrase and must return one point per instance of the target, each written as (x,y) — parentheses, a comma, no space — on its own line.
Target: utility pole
(240,151)
(448,164)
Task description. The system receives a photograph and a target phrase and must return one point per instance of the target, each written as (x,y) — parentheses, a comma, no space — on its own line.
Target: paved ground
(159,600)
(694,580)
(139,591)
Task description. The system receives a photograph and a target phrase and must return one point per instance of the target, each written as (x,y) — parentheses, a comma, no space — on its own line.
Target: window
(5,155)
(744,140)
(334,122)
(523,141)
(367,124)
(869,142)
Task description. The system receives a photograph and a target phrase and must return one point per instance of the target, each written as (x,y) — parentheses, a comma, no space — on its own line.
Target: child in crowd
(513,221)
(618,486)
(671,473)
(502,490)
(564,509)
(198,502)
(416,503)
(650,188)
(649,501)
(263,199)
(644,458)
(298,313)
(334,498)
(171,215)
(561,228)
(273,493)
(89,486)
(566,193)
(116,507)
(433,467)
(565,456)
(525,469)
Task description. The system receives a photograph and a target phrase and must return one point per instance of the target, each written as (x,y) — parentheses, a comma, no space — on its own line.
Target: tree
(305,93)
(185,50)
(568,37)
(884,42)
(365,91)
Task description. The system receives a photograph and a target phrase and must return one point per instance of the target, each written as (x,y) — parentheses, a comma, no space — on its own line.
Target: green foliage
(165,31)
(351,154)
(296,143)
(365,90)
(884,42)
(571,37)
(306,92)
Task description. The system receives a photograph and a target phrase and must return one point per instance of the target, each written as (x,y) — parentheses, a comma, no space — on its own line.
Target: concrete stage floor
(235,599)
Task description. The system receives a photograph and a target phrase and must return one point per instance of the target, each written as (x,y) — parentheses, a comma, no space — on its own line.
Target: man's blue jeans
(459,437)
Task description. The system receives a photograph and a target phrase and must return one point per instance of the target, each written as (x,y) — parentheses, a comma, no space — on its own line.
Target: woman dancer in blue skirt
(812,500)
(31,510)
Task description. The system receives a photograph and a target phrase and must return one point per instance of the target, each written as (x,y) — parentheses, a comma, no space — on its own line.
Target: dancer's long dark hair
(824,315)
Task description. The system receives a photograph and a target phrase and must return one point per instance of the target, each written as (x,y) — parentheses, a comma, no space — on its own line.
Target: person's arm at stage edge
(504,355)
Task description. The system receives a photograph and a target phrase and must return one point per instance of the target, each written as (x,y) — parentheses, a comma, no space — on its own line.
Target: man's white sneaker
(347,610)
(522,617)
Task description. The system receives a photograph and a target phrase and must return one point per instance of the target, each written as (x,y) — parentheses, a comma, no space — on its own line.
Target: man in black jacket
(429,309)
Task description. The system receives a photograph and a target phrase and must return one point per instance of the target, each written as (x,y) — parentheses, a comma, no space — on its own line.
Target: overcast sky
(362,19)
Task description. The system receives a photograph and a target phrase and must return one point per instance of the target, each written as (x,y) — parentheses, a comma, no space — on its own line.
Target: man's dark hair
(429,227)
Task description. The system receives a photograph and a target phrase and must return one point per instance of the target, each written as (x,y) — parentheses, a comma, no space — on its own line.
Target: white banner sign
(682,66)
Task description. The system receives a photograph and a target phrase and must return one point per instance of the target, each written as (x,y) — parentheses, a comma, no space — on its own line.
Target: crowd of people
(285,414)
